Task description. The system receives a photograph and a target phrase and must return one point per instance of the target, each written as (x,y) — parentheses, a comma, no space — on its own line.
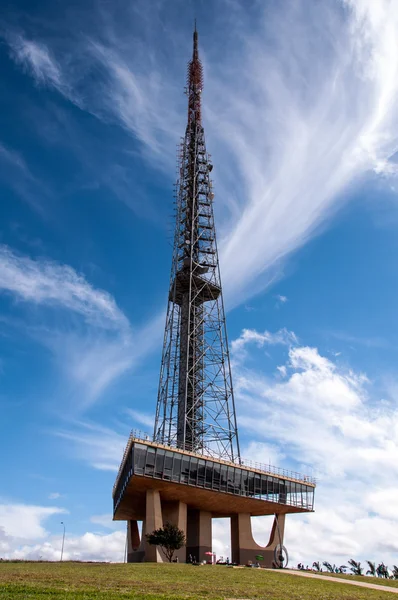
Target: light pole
(63,540)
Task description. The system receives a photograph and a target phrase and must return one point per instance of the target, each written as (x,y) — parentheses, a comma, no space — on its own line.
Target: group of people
(193,561)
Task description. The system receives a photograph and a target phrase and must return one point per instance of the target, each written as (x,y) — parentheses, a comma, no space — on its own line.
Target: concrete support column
(242,542)
(277,531)
(176,514)
(198,534)
(133,539)
(153,520)
(243,546)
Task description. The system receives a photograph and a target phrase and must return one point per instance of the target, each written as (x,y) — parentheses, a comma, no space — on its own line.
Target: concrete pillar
(243,546)
(198,534)
(277,531)
(133,540)
(176,514)
(152,521)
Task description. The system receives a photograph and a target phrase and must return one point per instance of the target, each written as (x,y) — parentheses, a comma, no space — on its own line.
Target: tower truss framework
(195,406)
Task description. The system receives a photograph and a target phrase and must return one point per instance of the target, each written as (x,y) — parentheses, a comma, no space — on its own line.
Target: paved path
(373,586)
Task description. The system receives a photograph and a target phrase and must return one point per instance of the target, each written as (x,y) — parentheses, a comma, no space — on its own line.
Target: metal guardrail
(277,471)
(141,436)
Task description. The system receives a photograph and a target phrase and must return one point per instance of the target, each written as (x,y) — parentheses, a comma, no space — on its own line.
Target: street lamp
(63,540)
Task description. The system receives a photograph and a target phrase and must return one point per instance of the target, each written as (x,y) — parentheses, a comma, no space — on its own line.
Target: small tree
(355,567)
(170,538)
(317,566)
(372,568)
(328,566)
(395,571)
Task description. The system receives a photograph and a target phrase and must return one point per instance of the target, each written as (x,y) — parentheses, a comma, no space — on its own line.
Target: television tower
(191,470)
(195,408)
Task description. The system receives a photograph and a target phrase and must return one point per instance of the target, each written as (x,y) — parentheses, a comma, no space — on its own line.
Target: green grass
(99,581)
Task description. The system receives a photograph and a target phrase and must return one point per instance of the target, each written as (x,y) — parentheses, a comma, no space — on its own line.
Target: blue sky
(301,120)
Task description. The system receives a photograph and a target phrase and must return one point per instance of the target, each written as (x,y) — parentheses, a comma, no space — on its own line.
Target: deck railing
(141,436)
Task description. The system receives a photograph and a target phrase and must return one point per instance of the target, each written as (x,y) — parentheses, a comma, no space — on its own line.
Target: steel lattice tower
(195,407)
(191,472)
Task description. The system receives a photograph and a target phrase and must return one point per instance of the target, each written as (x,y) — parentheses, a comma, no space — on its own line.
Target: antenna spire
(195,83)
(195,55)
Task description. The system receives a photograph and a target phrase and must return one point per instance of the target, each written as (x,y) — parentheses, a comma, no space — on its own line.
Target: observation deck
(205,483)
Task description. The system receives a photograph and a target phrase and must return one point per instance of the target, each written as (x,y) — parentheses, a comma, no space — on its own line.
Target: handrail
(140,436)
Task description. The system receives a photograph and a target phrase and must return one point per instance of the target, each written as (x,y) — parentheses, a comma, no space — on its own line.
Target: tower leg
(176,514)
(198,534)
(245,549)
(133,541)
(153,520)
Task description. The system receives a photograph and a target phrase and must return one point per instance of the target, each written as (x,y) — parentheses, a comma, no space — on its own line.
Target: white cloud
(36,58)
(282,370)
(24,522)
(311,128)
(106,521)
(100,447)
(251,336)
(270,453)
(16,174)
(23,536)
(12,157)
(90,353)
(90,546)
(87,547)
(143,418)
(322,420)
(286,147)
(52,284)
(89,363)
(322,417)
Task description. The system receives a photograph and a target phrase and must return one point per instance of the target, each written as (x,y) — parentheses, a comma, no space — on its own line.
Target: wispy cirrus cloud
(143,418)
(36,58)
(89,336)
(100,447)
(16,174)
(90,361)
(280,300)
(54,496)
(314,110)
(14,158)
(45,282)
(325,87)
(355,340)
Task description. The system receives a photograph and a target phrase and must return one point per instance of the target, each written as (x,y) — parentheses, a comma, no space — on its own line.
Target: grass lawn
(89,581)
